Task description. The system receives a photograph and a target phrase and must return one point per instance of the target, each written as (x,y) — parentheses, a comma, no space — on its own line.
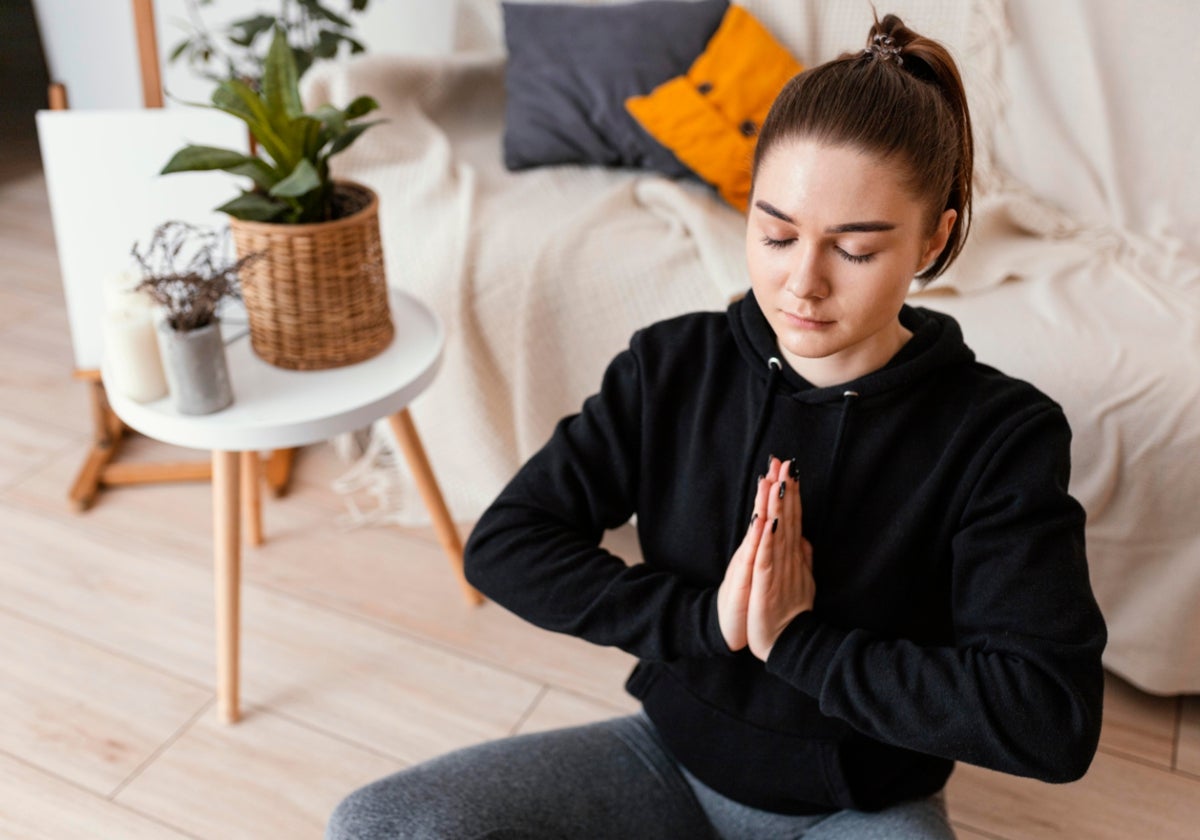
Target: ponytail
(900,98)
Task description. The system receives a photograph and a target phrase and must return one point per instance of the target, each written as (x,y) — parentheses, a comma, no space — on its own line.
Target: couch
(1082,274)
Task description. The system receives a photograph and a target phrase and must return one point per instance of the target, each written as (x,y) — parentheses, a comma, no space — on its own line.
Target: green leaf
(179,49)
(241,100)
(203,158)
(332,118)
(358,5)
(264,176)
(359,107)
(243,32)
(317,10)
(280,82)
(253,207)
(327,45)
(356,47)
(352,134)
(303,180)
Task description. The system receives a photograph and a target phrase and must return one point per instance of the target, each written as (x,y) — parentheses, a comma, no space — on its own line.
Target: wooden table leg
(414,453)
(227,555)
(279,470)
(251,499)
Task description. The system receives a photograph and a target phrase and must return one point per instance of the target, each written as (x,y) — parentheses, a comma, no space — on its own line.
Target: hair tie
(884,48)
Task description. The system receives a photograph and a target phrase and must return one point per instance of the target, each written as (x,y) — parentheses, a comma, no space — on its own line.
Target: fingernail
(782,487)
(770,458)
(793,470)
(761,477)
(753,519)
(774,525)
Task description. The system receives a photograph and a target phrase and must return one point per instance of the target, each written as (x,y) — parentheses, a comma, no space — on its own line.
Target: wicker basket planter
(318,298)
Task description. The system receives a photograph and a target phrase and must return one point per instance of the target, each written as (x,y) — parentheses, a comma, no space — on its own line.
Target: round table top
(274,408)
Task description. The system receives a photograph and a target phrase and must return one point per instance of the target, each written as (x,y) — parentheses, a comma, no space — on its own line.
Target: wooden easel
(100,468)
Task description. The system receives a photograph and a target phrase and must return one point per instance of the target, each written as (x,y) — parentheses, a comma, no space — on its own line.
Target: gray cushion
(571,68)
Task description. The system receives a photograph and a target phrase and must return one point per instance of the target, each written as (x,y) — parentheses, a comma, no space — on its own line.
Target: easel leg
(414,453)
(227,551)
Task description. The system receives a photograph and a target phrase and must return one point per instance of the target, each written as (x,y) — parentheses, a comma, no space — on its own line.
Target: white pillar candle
(119,294)
(132,364)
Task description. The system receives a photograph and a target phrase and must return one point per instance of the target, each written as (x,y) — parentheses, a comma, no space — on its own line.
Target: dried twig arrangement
(188,270)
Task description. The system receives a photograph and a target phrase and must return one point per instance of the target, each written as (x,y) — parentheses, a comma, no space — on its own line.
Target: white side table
(275,408)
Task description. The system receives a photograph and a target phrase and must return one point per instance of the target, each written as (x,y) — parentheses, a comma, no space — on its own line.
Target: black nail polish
(774,525)
(793,470)
(761,477)
(782,487)
(770,458)
(753,519)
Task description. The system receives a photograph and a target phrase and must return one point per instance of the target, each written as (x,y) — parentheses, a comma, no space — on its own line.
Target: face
(833,241)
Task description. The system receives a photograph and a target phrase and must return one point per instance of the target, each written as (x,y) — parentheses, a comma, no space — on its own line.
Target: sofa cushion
(571,68)
(709,117)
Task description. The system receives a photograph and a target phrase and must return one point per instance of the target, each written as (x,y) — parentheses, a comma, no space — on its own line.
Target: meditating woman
(861,559)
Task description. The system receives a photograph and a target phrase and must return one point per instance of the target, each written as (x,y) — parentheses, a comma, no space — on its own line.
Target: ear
(937,241)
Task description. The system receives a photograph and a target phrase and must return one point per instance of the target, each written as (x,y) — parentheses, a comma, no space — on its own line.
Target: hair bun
(884,48)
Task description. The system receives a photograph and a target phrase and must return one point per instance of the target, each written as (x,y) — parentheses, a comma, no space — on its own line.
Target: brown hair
(902,98)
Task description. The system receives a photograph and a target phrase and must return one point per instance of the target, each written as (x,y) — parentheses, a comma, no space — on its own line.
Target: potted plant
(318,298)
(186,270)
(313,30)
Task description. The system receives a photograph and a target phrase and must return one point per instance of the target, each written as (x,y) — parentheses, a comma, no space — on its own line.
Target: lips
(809,320)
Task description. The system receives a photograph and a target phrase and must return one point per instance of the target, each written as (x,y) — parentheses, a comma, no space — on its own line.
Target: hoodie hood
(937,343)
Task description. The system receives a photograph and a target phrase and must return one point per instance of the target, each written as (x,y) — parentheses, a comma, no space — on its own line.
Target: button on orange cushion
(705,116)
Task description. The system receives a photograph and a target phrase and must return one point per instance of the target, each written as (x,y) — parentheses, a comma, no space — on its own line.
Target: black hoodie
(954,619)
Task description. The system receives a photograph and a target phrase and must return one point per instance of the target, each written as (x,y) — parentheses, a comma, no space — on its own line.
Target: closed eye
(776,243)
(854,258)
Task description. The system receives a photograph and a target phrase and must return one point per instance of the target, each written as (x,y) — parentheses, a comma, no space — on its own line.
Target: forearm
(557,577)
(1027,707)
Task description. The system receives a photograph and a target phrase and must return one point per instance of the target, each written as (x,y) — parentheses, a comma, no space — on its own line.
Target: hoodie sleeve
(535,551)
(1021,688)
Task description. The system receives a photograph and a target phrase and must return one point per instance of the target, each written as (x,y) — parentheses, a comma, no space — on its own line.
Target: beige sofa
(1082,275)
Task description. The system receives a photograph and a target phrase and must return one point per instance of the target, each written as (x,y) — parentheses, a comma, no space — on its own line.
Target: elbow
(476,562)
(1069,746)
(1075,754)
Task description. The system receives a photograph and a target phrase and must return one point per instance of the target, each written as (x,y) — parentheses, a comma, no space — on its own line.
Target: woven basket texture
(317,298)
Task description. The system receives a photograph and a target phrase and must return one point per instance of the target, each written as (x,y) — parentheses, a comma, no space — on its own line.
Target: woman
(820,637)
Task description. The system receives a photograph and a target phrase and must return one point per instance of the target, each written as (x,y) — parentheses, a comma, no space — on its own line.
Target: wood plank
(81,713)
(1118,799)
(40,806)
(1136,723)
(265,777)
(339,674)
(25,444)
(556,709)
(1188,757)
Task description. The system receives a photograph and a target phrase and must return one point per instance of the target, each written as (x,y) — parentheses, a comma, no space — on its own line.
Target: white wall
(91,47)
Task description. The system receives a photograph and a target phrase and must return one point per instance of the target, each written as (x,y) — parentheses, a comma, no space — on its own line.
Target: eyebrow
(848,227)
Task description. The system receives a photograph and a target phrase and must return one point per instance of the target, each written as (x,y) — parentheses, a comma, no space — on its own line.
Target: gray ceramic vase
(194,363)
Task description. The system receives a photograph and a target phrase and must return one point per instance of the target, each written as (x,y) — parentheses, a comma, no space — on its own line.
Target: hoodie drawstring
(835,461)
(764,414)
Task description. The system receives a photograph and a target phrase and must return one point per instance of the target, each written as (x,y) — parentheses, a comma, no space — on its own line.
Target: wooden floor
(360,656)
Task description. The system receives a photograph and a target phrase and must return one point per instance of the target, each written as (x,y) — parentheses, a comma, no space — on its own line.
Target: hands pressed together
(769,580)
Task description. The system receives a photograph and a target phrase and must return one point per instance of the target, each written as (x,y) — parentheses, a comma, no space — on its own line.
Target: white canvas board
(106,194)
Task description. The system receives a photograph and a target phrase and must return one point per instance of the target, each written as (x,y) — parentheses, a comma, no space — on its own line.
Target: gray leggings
(613,779)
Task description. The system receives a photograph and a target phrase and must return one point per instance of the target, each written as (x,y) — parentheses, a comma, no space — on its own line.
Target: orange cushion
(710,117)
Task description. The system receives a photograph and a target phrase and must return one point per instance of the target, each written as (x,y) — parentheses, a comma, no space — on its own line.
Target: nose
(806,276)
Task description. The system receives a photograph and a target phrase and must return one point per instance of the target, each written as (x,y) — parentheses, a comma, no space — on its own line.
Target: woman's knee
(373,812)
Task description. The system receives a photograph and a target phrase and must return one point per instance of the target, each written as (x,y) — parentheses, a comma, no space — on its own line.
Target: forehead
(806,178)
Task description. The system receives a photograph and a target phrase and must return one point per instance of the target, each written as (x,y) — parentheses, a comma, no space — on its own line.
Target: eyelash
(854,258)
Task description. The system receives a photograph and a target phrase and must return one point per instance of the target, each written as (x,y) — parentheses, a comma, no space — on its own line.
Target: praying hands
(769,580)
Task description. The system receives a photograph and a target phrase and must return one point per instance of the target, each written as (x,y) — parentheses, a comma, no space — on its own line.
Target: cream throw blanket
(541,277)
